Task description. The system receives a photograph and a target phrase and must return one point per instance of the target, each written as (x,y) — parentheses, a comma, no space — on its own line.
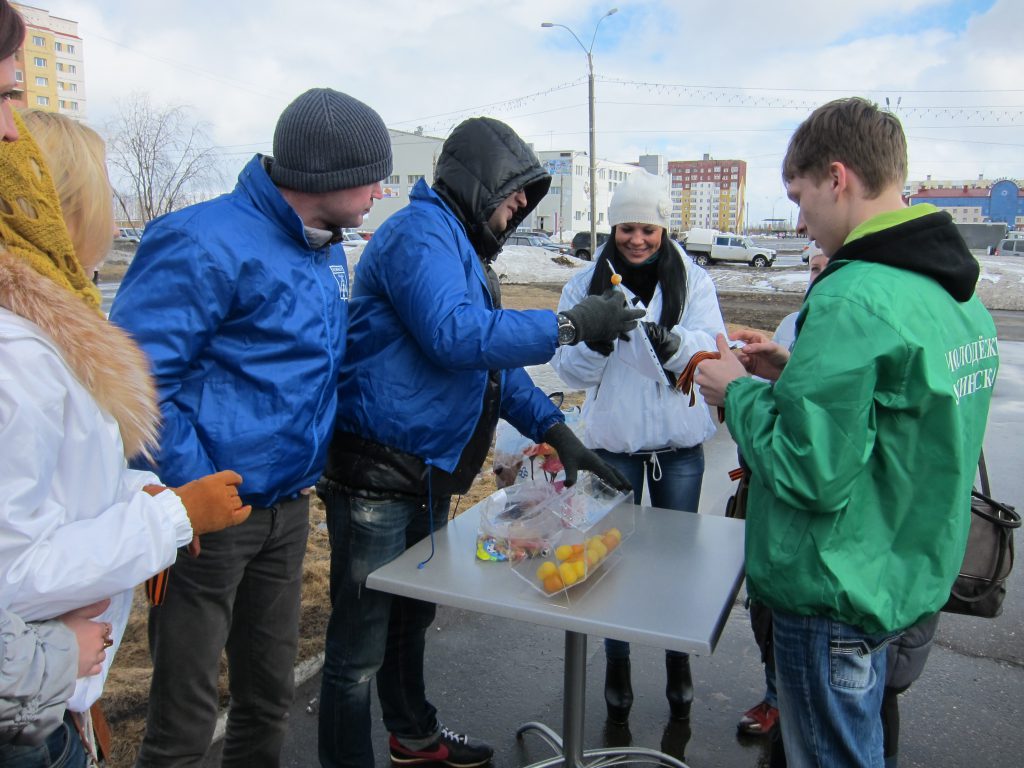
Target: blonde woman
(76,525)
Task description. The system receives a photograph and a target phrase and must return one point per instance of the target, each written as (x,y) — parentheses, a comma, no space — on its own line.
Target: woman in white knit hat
(635,418)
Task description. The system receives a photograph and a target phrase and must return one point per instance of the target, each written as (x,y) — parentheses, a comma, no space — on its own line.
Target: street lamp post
(593,140)
(773,222)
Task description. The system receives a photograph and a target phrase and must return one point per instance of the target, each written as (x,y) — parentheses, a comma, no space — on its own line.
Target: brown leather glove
(212,502)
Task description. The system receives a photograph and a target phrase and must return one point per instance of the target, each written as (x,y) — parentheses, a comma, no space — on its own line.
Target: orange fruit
(563,552)
(547,568)
(581,569)
(577,549)
(553,583)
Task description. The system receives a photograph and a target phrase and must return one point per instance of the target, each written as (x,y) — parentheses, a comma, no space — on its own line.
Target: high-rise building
(708,193)
(49,65)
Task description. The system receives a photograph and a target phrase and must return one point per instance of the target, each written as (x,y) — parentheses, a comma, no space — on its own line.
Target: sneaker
(760,720)
(450,748)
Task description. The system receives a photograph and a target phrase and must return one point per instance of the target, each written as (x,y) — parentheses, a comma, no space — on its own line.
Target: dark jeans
(242,593)
(62,749)
(373,633)
(673,481)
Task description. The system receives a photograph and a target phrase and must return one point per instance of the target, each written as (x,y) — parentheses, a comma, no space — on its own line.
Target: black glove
(604,347)
(603,318)
(575,456)
(665,343)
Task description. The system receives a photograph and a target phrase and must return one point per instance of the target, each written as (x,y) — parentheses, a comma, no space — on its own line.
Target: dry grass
(127,687)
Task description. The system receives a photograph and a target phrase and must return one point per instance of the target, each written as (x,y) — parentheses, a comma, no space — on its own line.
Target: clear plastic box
(556,539)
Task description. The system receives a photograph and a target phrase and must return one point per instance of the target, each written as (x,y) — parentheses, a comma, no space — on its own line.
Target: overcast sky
(732,78)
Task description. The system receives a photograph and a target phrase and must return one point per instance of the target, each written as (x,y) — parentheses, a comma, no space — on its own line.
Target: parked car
(581,244)
(128,234)
(1011,246)
(809,251)
(537,241)
(351,239)
(709,245)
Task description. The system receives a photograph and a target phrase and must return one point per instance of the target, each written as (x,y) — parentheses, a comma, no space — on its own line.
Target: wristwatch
(566,331)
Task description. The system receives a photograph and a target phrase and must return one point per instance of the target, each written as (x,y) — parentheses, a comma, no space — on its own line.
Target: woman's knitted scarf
(31,223)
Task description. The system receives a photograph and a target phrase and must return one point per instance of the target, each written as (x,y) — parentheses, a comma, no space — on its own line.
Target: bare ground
(127,687)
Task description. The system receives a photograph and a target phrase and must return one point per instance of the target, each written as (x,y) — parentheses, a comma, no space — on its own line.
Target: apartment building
(708,193)
(49,66)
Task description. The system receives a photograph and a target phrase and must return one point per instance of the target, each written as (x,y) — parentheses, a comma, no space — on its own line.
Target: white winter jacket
(624,411)
(75,525)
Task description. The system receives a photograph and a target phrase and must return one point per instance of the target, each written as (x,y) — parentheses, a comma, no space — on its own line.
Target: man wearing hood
(432,362)
(864,448)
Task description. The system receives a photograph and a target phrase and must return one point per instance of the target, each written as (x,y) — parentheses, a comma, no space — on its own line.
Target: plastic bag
(517,459)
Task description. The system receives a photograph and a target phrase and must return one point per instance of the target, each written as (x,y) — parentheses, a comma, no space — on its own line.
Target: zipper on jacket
(324,253)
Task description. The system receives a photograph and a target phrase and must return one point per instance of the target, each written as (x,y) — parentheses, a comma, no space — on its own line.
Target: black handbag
(980,587)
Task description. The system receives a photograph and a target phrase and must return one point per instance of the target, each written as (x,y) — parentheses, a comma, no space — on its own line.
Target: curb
(303,671)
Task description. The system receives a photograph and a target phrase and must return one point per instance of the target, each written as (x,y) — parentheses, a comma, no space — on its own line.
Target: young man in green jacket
(864,444)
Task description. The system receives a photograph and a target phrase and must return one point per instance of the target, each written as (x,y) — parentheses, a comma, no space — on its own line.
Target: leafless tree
(161,159)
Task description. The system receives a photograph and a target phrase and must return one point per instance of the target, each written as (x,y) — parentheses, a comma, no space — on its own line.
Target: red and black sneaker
(759,720)
(449,748)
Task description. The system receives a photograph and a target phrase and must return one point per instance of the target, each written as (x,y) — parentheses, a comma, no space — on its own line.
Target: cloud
(753,71)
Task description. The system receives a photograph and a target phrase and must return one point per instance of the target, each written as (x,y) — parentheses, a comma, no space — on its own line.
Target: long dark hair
(671,277)
(12,30)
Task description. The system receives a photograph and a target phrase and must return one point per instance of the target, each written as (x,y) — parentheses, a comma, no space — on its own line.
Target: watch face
(566,330)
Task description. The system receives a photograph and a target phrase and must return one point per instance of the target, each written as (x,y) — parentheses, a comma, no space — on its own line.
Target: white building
(415,157)
(566,208)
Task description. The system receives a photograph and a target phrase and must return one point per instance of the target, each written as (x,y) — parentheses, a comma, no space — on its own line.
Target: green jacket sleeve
(808,437)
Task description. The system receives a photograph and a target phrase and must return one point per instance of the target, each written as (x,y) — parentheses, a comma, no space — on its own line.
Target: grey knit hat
(325,140)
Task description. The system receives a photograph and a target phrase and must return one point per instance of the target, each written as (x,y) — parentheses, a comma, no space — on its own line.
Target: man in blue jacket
(241,304)
(432,362)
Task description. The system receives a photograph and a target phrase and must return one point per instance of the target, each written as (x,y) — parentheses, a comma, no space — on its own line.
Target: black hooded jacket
(481,164)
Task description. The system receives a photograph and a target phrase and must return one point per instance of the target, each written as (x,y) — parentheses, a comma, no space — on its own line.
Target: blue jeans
(830,679)
(62,749)
(373,633)
(673,482)
(242,595)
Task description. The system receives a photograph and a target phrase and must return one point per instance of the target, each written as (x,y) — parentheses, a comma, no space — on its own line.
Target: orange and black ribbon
(685,381)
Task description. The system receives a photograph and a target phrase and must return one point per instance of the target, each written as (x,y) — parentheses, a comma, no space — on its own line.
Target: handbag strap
(1004,515)
(983,474)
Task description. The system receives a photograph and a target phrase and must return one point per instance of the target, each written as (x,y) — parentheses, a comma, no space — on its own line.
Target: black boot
(618,691)
(679,689)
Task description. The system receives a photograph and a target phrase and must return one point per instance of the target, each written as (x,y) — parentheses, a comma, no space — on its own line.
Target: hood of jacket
(102,356)
(930,245)
(481,163)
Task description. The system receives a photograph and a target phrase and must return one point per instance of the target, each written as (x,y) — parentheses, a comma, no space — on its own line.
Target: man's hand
(603,318)
(93,637)
(713,376)
(212,502)
(576,456)
(760,356)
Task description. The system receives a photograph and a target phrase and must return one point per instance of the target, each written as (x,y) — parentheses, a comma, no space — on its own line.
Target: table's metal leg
(573,717)
(575,688)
